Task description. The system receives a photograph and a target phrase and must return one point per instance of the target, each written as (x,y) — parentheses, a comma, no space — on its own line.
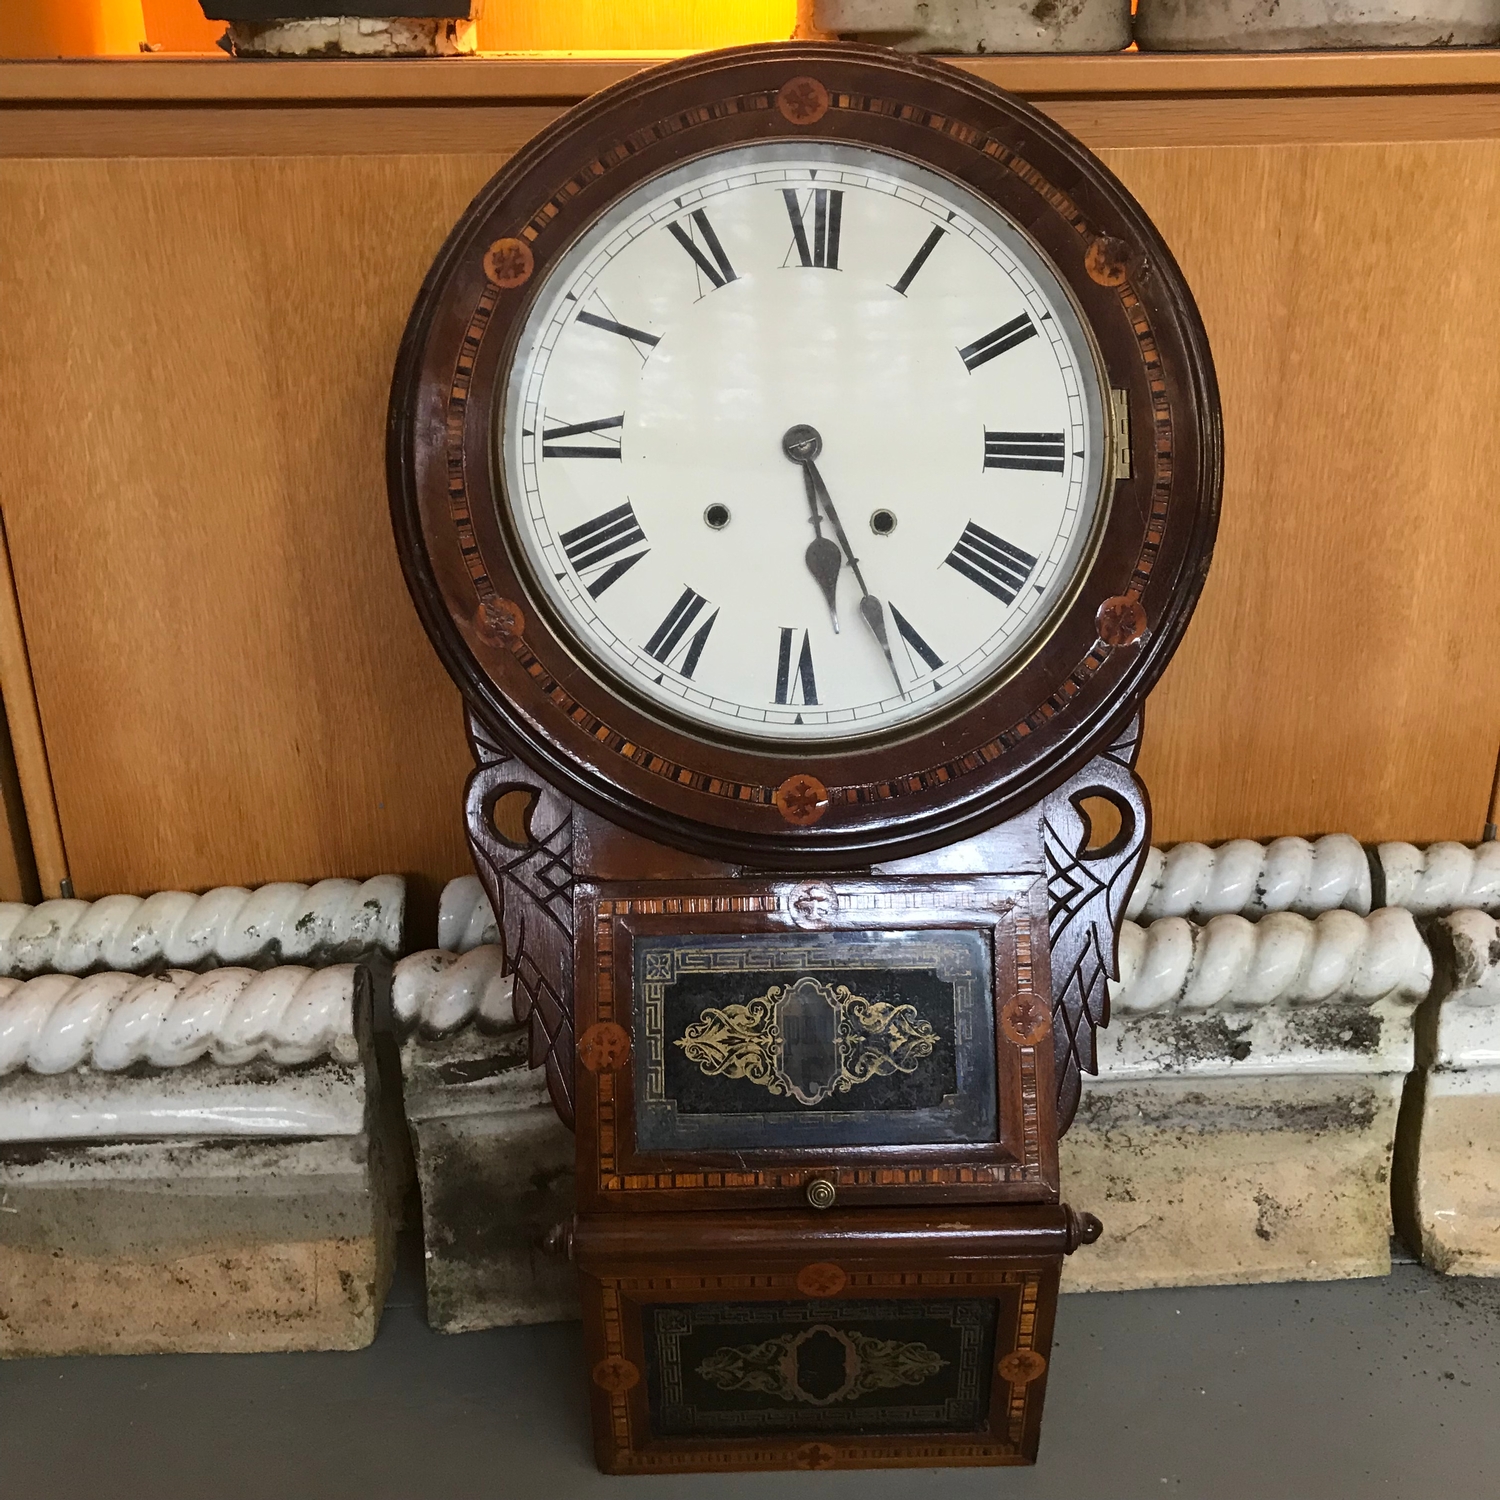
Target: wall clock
(805,459)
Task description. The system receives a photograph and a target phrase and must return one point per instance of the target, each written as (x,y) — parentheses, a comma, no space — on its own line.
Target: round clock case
(787,794)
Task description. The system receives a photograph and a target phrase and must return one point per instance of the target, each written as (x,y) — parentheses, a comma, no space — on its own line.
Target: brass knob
(559,1240)
(821,1192)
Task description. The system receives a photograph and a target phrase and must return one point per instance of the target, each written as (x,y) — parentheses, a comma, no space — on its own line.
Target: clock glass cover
(803,442)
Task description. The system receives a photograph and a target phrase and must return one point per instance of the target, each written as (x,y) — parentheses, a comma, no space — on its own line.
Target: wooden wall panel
(1342,672)
(232,682)
(233,685)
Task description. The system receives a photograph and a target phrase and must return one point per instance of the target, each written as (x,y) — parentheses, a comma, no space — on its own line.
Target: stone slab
(493,1186)
(1242,1123)
(191,1246)
(1284,25)
(495,1167)
(977,26)
(1447,1183)
(355,36)
(1203,1182)
(1457,1186)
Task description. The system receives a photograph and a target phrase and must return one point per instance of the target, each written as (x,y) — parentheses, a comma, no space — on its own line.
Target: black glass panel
(766,1040)
(745,1369)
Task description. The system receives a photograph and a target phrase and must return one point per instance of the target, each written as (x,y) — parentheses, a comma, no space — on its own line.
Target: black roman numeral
(997,566)
(667,640)
(919,260)
(644,341)
(1043,452)
(828,215)
(552,447)
(914,642)
(789,678)
(1006,337)
(718,270)
(593,544)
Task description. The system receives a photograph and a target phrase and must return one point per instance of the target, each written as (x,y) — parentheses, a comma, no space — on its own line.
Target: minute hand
(870,608)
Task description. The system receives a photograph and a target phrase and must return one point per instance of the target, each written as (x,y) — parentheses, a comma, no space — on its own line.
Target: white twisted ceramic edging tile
(465,919)
(1282,959)
(1466,1038)
(229,925)
(1444,877)
(178,1055)
(109,1022)
(1251,879)
(439,992)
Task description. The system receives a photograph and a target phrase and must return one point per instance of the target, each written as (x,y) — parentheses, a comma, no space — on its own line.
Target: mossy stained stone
(1314,25)
(1447,1193)
(494,1163)
(979,26)
(1242,1123)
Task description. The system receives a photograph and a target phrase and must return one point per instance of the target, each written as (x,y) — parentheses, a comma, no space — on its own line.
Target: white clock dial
(803,442)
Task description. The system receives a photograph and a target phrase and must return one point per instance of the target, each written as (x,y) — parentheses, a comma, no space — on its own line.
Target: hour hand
(824,556)
(824,561)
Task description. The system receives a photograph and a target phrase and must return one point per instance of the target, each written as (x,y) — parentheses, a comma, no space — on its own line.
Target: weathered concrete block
(355,36)
(1242,1122)
(1286,25)
(190,1163)
(1448,1154)
(494,1163)
(979,25)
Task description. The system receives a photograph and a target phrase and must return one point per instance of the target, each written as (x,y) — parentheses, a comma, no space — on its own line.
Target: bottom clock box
(872,1338)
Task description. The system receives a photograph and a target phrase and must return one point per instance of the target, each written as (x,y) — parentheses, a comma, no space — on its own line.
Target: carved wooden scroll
(1087,893)
(530,886)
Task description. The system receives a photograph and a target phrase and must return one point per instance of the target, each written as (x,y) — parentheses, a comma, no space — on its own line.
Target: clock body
(805,459)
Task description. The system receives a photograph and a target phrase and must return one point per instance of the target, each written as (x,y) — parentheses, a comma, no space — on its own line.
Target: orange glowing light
(70,28)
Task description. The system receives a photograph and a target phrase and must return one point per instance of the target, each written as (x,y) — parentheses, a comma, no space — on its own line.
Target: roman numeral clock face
(803,443)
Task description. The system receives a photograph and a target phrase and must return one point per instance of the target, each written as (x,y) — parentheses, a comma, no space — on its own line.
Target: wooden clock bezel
(792,807)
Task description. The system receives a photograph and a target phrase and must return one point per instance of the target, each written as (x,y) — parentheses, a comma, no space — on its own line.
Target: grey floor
(1384,1388)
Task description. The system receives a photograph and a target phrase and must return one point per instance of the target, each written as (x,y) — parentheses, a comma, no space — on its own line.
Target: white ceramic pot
(979,25)
(1326,25)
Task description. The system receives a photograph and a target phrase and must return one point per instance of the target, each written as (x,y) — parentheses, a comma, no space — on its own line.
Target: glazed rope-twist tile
(465,918)
(228,925)
(1442,877)
(1251,879)
(1283,959)
(1471,942)
(440,992)
(58,1022)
